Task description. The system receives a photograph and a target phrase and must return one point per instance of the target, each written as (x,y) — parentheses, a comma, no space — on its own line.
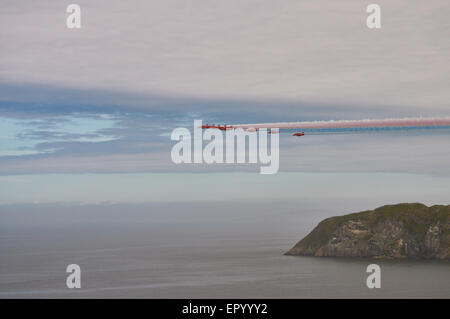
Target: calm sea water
(189,251)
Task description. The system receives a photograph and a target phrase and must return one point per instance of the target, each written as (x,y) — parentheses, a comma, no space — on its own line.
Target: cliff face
(392,231)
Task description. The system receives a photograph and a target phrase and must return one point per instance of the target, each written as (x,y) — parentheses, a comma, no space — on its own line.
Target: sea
(191,250)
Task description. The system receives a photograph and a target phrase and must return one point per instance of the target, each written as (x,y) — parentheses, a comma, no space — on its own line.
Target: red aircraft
(299,134)
(220,127)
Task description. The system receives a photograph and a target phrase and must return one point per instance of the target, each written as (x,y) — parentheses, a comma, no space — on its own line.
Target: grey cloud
(416,152)
(316,52)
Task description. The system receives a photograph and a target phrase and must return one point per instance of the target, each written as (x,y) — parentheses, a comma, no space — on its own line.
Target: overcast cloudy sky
(305,52)
(103,98)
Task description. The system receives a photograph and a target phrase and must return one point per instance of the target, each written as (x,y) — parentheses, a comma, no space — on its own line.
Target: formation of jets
(399,123)
(225,127)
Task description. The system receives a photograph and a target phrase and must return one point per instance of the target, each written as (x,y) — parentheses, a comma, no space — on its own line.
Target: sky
(96,105)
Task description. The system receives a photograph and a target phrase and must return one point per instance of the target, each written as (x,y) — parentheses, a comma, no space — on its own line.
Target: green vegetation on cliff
(391,231)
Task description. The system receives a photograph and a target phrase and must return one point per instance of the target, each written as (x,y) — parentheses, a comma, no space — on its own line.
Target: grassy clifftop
(392,231)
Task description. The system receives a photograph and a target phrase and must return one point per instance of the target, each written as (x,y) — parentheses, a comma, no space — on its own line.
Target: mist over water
(191,250)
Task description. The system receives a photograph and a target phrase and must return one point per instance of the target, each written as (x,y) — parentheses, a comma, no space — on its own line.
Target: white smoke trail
(366,123)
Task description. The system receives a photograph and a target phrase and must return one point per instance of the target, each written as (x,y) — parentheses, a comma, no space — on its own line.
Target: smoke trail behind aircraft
(365,123)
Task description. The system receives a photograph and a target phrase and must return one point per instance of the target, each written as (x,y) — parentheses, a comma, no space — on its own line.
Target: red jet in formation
(220,127)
